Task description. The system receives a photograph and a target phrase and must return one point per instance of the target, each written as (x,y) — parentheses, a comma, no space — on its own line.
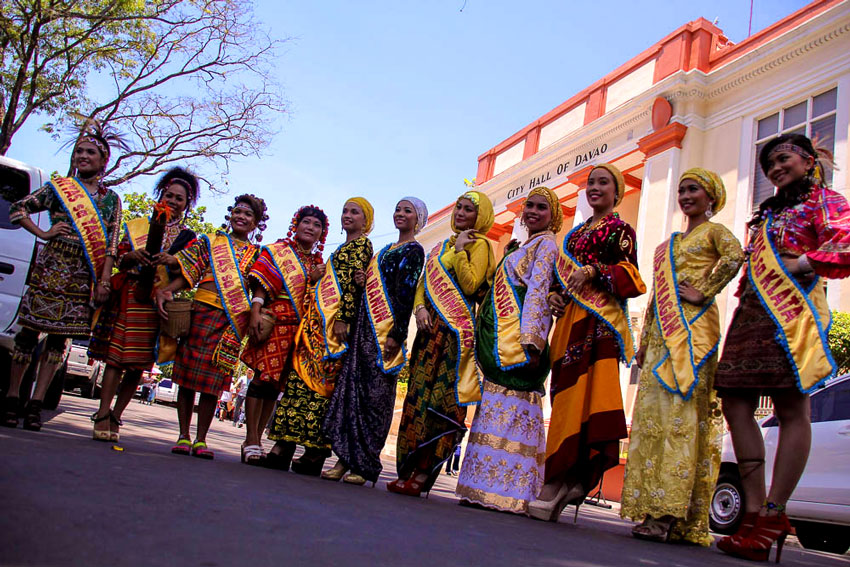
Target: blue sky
(389,99)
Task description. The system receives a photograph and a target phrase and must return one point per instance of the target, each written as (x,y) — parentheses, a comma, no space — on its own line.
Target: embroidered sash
(234,297)
(86,220)
(380,312)
(328,302)
(292,271)
(451,304)
(801,316)
(599,303)
(689,343)
(507,313)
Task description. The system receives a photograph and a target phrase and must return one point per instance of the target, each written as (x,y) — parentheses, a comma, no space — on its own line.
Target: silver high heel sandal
(550,510)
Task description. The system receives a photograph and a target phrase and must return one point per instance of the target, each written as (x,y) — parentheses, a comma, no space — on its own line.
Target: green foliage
(135,205)
(839,340)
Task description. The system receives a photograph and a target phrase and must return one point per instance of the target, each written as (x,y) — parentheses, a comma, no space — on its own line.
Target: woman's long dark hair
(789,196)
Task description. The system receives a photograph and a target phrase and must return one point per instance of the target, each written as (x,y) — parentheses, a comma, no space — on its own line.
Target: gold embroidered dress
(674,448)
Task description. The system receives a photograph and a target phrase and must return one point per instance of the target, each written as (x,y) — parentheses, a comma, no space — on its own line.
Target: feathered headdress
(101,135)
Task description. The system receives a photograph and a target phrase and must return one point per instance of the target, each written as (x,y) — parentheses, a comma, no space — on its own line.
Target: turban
(619,180)
(421,211)
(709,181)
(484,208)
(368,212)
(554,206)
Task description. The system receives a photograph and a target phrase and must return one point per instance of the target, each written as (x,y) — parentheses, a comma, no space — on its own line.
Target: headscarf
(554,206)
(368,212)
(712,184)
(421,212)
(483,206)
(618,179)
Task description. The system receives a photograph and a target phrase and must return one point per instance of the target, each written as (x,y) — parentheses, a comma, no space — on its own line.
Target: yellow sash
(689,343)
(507,313)
(292,271)
(448,299)
(801,316)
(380,313)
(328,302)
(86,220)
(599,303)
(228,280)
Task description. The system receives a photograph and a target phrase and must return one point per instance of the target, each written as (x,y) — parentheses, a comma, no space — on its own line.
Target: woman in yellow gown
(674,447)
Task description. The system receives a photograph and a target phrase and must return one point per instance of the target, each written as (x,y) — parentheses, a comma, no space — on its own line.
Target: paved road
(68,500)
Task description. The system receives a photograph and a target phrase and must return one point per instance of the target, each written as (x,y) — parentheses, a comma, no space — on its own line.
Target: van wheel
(727,504)
(54,393)
(823,537)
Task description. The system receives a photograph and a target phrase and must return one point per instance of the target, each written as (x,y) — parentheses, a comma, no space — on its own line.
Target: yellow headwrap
(368,212)
(712,184)
(484,207)
(554,206)
(618,179)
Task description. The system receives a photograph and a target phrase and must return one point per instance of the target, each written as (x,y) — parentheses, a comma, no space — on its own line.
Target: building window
(814,117)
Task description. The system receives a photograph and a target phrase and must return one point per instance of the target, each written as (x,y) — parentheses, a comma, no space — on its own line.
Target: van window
(832,403)
(14,186)
(165,383)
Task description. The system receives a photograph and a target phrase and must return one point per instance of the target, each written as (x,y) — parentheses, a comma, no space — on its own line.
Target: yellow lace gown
(674,446)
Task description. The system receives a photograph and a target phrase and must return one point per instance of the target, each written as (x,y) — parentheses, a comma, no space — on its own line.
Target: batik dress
(301,410)
(752,357)
(674,445)
(271,360)
(432,416)
(503,465)
(195,367)
(587,419)
(360,412)
(58,300)
(126,333)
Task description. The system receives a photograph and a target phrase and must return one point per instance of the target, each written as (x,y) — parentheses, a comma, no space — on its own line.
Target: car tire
(727,503)
(830,538)
(54,393)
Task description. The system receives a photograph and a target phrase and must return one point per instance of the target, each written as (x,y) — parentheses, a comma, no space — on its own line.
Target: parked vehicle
(819,509)
(166,391)
(81,372)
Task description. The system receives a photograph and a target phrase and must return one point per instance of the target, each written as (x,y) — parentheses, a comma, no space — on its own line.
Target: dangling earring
(416,228)
(709,212)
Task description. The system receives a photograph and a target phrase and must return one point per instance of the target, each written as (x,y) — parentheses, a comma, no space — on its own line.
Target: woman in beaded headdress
(360,412)
(73,271)
(206,359)
(280,280)
(588,343)
(444,378)
(776,344)
(502,468)
(674,444)
(126,334)
(330,310)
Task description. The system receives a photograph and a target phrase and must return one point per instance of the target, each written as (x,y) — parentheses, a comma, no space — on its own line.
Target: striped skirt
(502,468)
(126,333)
(194,368)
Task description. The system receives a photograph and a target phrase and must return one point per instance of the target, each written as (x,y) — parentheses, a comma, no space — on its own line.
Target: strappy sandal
(253,455)
(183,447)
(114,435)
(32,419)
(10,412)
(100,434)
(653,529)
(200,450)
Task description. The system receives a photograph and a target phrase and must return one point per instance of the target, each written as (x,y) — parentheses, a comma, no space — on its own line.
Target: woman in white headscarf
(360,411)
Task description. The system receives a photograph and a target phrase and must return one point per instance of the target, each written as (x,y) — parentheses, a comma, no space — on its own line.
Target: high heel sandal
(99,434)
(356,479)
(114,435)
(32,416)
(11,412)
(655,529)
(409,487)
(309,464)
(550,510)
(336,473)
(756,545)
(281,458)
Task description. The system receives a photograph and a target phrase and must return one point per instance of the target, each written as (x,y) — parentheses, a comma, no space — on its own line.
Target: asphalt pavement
(68,500)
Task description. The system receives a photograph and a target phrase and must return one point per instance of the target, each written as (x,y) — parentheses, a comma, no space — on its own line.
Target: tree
(839,341)
(185,79)
(135,205)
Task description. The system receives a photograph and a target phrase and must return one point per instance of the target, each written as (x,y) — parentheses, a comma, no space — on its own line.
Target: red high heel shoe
(756,545)
(748,522)
(410,487)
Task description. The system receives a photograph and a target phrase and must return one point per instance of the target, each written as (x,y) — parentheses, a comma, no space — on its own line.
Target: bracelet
(418,307)
(805,265)
(105,284)
(588,271)
(259,300)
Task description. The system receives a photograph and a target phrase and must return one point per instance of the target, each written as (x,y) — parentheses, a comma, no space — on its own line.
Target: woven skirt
(272,359)
(126,333)
(194,367)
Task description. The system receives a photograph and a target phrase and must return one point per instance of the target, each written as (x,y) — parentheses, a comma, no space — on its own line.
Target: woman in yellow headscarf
(674,452)
(444,378)
(319,348)
(597,272)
